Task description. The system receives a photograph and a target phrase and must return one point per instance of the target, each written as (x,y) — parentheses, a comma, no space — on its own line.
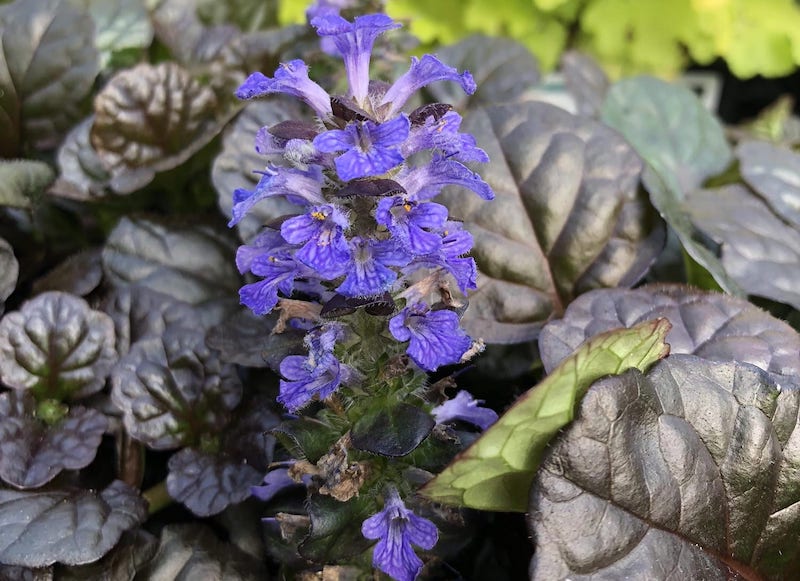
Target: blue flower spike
(398,530)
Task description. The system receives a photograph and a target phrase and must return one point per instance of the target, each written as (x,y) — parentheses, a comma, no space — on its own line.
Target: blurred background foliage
(661,37)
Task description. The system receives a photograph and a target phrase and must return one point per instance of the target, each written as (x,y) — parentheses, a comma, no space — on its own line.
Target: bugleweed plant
(449,332)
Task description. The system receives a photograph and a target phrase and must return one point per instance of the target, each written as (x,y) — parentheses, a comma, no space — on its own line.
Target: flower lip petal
(292,79)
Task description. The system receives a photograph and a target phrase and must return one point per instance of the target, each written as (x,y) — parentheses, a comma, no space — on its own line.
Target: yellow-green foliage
(626,36)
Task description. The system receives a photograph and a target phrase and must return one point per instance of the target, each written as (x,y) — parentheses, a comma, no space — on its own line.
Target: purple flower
(369,273)
(423,72)
(407,220)
(398,529)
(290,78)
(466,408)
(354,42)
(455,243)
(369,148)
(435,337)
(443,135)
(319,374)
(275,482)
(425,182)
(279,270)
(322,231)
(295,185)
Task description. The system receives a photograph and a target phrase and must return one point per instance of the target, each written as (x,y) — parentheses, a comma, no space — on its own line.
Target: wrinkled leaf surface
(567,217)
(70,527)
(57,346)
(496,471)
(689,472)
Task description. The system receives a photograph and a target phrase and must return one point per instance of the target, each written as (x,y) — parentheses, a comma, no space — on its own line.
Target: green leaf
(48,63)
(495,473)
(683,145)
(247,15)
(22,181)
(392,432)
(119,25)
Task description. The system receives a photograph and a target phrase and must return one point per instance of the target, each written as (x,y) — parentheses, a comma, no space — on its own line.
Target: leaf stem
(158,497)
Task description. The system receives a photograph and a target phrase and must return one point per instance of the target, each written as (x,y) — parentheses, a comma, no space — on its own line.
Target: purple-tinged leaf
(234,167)
(194,264)
(48,63)
(32,453)
(586,82)
(336,528)
(139,312)
(208,483)
(567,217)
(760,251)
(503,69)
(773,172)
(192,551)
(79,275)
(710,325)
(9,271)
(149,119)
(249,340)
(82,173)
(71,527)
(172,389)
(133,551)
(688,471)
(56,346)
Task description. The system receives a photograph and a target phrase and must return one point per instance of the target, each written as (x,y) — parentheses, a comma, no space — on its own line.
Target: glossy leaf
(70,527)
(119,25)
(496,471)
(503,69)
(773,172)
(710,325)
(689,471)
(760,251)
(567,217)
(209,483)
(172,389)
(41,96)
(682,143)
(392,431)
(234,167)
(32,453)
(56,346)
(192,551)
(150,119)
(22,182)
(193,264)
(9,271)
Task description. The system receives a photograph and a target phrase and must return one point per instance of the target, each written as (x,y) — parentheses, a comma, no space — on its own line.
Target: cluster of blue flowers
(363,175)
